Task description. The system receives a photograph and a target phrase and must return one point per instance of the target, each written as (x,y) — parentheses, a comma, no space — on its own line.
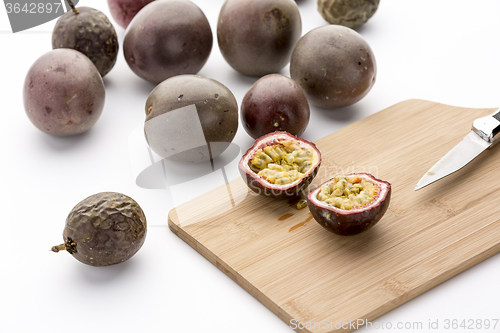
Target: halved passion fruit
(280,165)
(348,205)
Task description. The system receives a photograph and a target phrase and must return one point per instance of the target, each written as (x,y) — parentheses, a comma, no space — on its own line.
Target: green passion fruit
(275,103)
(190,118)
(334,65)
(280,165)
(104,229)
(349,204)
(89,31)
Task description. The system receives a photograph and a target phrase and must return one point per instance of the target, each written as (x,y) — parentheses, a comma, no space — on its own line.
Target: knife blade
(485,133)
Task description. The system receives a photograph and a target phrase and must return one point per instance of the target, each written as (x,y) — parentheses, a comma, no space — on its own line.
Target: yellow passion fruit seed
(281,163)
(348,193)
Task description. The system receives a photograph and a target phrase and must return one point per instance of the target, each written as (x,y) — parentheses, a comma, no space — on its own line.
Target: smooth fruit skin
(257,37)
(348,224)
(167,38)
(260,186)
(217,111)
(89,32)
(334,65)
(63,93)
(275,103)
(123,11)
(108,228)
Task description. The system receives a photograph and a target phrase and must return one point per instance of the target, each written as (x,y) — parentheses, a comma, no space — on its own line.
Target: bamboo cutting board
(303,273)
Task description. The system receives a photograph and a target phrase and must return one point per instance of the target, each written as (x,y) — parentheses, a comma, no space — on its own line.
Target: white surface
(444,51)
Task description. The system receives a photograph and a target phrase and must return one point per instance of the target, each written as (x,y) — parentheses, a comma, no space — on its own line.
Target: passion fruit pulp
(350,204)
(104,229)
(280,165)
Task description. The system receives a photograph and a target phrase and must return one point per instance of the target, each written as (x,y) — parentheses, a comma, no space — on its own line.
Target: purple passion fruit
(280,165)
(89,31)
(348,205)
(190,118)
(257,37)
(167,38)
(334,65)
(349,13)
(123,11)
(275,103)
(63,93)
(104,229)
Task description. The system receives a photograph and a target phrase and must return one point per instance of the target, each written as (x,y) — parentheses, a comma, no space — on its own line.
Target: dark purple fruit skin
(89,32)
(262,189)
(217,111)
(352,224)
(63,93)
(123,11)
(167,38)
(275,103)
(257,37)
(334,65)
(108,228)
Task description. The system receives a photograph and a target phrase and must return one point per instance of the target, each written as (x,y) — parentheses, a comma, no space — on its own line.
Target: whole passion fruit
(334,65)
(104,229)
(275,103)
(349,204)
(280,165)
(89,31)
(349,13)
(123,11)
(63,93)
(167,38)
(190,118)
(256,37)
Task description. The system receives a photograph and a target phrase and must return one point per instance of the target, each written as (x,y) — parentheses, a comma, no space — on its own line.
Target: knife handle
(488,128)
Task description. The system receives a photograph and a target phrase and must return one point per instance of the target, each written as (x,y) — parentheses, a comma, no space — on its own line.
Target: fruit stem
(69,246)
(72,6)
(58,248)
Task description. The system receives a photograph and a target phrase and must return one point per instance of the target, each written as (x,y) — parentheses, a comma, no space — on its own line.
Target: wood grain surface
(307,274)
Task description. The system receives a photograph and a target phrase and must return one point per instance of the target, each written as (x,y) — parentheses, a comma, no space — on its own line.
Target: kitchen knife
(485,133)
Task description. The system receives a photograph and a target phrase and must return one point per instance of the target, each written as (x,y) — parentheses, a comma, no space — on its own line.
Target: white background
(446,51)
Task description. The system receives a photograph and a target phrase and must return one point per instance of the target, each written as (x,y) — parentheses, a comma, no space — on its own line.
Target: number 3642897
(33,8)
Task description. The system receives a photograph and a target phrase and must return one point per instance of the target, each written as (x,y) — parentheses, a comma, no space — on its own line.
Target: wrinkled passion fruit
(90,32)
(349,13)
(348,205)
(280,165)
(104,229)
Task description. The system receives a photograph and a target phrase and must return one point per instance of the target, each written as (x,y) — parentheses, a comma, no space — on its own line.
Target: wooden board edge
(226,269)
(287,319)
(433,282)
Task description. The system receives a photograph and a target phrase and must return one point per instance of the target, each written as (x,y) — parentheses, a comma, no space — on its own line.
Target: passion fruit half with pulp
(104,229)
(349,204)
(280,165)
